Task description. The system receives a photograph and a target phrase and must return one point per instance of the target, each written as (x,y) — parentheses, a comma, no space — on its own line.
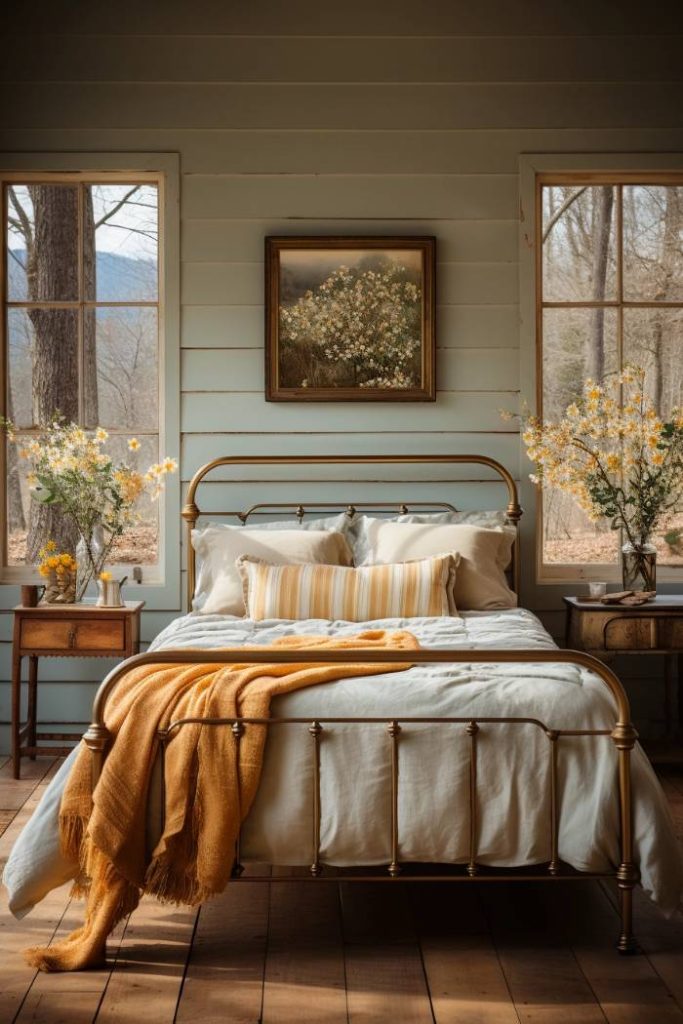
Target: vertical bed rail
(394,730)
(315,729)
(472,730)
(554,863)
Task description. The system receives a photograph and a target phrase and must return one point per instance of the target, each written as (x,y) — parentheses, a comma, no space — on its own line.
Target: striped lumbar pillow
(402,590)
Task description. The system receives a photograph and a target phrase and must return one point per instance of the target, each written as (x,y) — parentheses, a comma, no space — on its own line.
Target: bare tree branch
(116,207)
(562,209)
(24,222)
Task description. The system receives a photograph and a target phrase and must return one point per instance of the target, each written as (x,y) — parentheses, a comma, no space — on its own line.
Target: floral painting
(350,319)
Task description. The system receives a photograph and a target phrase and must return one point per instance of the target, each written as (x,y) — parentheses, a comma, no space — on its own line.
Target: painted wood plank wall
(380,117)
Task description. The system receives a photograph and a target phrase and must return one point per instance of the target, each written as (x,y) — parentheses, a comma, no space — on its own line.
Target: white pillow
(480,582)
(219,590)
(357,531)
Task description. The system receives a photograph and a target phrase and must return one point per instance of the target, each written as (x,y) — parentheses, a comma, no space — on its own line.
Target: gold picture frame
(350,318)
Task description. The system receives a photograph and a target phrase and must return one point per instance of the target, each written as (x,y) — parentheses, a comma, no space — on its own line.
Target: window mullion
(81,311)
(620,306)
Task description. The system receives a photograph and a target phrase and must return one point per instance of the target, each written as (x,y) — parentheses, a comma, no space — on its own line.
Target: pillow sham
(219,587)
(357,530)
(405,590)
(488,518)
(480,582)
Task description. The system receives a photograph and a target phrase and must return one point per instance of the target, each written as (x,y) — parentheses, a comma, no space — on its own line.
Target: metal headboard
(191,511)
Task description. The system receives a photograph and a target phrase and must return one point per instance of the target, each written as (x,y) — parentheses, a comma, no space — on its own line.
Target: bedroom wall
(356,118)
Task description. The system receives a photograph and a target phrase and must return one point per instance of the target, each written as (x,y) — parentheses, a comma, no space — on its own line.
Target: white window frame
(532,167)
(160,588)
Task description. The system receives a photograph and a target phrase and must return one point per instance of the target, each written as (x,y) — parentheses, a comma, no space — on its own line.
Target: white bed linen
(513,764)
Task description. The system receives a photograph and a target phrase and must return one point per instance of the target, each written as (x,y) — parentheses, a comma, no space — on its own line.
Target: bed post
(190,514)
(96,739)
(624,737)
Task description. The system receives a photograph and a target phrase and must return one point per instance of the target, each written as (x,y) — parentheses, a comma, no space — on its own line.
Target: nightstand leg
(32,701)
(16,714)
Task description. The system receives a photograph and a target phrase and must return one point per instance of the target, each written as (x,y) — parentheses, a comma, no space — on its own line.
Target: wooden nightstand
(63,631)
(652,628)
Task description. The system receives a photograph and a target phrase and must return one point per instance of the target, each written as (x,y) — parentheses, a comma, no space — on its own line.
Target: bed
(495,756)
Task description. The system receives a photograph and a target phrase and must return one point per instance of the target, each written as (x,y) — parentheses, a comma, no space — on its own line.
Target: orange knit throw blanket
(209,789)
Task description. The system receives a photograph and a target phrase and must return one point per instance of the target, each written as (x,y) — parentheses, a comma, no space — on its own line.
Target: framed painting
(350,319)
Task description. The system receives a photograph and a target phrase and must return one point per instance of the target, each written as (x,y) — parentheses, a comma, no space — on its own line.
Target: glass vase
(90,557)
(639,566)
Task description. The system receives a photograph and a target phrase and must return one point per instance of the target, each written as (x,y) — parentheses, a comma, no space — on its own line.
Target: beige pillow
(480,582)
(219,587)
(365,594)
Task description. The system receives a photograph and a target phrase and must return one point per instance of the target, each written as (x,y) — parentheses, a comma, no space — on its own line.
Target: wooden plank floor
(349,953)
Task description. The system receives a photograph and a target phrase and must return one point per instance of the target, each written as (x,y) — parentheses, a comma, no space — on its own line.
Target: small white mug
(597,590)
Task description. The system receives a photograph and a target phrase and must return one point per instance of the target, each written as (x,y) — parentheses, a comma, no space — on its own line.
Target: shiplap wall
(366,117)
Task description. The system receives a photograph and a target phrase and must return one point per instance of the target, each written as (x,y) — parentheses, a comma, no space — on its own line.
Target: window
(609,291)
(82,289)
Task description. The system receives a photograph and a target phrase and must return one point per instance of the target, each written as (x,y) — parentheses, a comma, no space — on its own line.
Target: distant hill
(119,278)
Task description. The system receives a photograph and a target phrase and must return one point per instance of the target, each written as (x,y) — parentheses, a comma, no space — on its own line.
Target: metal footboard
(623,735)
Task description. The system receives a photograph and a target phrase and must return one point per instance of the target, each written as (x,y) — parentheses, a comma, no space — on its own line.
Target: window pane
(121,239)
(576,342)
(121,368)
(140,544)
(653,338)
(570,538)
(578,243)
(43,365)
(668,540)
(653,243)
(42,240)
(20,368)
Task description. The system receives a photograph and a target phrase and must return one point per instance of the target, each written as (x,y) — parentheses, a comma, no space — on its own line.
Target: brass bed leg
(624,737)
(627,944)
(97,740)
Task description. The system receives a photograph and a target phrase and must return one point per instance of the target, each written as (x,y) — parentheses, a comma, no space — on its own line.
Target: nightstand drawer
(73,634)
(631,633)
(606,630)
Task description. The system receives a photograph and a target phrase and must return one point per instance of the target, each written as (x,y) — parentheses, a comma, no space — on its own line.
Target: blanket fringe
(111,898)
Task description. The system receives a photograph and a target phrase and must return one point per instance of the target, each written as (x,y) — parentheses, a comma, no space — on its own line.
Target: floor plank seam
(496,950)
(188,957)
(585,977)
(343,946)
(418,936)
(266,947)
(56,928)
(111,971)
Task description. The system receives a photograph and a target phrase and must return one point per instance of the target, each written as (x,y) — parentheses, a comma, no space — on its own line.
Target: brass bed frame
(622,735)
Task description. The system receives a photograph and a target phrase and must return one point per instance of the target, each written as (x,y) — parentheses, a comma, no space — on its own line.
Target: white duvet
(433,822)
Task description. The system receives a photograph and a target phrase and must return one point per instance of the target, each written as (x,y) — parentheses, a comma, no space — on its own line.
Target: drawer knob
(72,638)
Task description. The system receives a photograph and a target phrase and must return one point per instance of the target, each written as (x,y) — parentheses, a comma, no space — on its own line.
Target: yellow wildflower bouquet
(58,569)
(614,454)
(71,468)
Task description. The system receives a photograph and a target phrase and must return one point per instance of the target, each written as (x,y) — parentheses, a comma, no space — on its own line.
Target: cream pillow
(365,594)
(219,587)
(480,582)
